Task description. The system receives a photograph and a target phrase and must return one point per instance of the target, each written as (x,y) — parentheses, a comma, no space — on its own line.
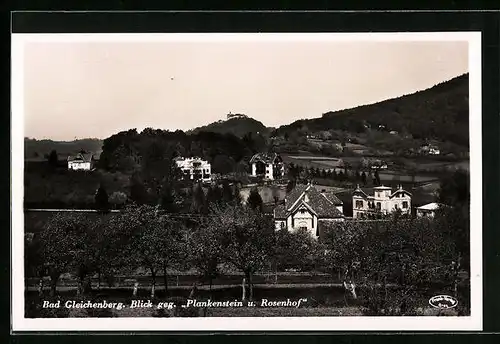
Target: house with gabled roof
(384,201)
(428,210)
(82,161)
(268,166)
(306,208)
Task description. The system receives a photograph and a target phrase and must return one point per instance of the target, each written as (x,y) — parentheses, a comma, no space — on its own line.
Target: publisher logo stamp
(443,302)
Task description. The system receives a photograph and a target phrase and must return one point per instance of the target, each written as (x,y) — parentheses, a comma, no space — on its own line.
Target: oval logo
(443,301)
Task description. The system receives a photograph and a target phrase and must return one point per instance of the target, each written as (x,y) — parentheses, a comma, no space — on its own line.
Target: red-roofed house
(384,201)
(306,207)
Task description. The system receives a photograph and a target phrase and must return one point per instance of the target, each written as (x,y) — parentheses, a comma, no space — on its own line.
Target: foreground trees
(389,265)
(247,237)
(394,261)
(205,251)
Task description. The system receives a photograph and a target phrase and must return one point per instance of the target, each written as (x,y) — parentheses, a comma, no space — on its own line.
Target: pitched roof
(86,157)
(267,158)
(362,193)
(330,196)
(358,190)
(429,206)
(382,188)
(323,205)
(294,195)
(399,191)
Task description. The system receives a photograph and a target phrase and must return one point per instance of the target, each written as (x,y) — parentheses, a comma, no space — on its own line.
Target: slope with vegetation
(440,112)
(40,149)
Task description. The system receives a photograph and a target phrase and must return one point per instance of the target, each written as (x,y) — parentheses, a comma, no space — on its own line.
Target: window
(379,205)
(282,224)
(302,211)
(395,206)
(303,227)
(359,204)
(405,205)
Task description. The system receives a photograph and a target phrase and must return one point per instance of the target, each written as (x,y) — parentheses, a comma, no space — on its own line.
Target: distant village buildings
(195,169)
(81,162)
(383,202)
(268,166)
(307,208)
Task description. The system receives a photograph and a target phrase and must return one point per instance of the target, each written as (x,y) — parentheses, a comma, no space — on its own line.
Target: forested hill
(37,149)
(238,126)
(440,112)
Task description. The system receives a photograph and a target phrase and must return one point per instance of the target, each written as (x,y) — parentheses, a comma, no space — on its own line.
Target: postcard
(246,182)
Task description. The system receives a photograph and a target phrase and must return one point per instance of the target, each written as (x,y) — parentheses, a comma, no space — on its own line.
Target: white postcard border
(423,323)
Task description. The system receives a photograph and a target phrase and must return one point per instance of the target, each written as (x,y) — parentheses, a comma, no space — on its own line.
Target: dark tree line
(126,150)
(300,173)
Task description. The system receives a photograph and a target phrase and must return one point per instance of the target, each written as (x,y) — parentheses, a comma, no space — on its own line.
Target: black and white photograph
(247,181)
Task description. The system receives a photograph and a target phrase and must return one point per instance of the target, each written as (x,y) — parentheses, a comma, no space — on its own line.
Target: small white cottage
(81,161)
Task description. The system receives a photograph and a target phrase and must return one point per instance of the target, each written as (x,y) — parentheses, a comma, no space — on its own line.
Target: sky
(96,89)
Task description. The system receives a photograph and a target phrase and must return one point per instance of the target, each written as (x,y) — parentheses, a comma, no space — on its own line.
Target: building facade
(384,201)
(307,208)
(195,169)
(267,166)
(81,162)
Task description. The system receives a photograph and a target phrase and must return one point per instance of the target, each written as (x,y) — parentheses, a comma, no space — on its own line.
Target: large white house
(383,202)
(267,166)
(81,162)
(307,208)
(195,169)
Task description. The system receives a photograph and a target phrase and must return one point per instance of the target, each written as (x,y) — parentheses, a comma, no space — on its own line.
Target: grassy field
(428,170)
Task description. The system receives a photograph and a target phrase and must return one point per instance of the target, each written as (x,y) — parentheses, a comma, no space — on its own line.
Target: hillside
(37,149)
(440,112)
(238,126)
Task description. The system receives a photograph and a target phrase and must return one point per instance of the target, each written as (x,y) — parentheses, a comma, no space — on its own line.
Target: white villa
(267,166)
(428,210)
(195,168)
(81,162)
(383,202)
(307,208)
